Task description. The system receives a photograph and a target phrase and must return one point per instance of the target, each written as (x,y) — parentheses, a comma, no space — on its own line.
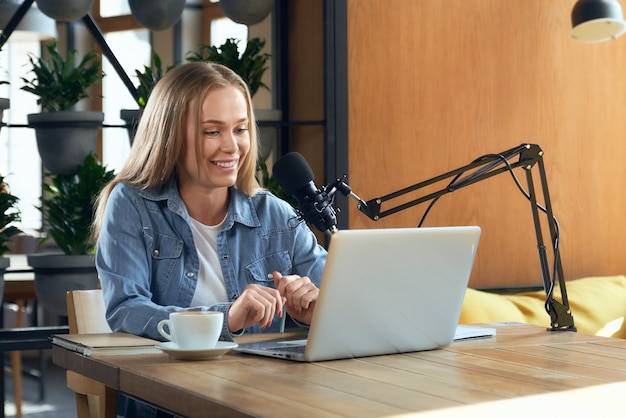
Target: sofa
(598,305)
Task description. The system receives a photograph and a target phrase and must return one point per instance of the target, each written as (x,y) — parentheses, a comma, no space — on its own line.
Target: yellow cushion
(598,305)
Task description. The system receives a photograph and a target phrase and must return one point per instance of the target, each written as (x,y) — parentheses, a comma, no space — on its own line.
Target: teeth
(230,164)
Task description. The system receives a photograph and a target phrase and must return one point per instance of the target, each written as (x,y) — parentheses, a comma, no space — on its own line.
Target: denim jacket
(148,264)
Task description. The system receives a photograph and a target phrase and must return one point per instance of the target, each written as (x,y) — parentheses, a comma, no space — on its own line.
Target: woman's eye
(211,132)
(241,130)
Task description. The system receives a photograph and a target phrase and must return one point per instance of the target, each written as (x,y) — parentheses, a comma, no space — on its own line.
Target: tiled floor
(58,400)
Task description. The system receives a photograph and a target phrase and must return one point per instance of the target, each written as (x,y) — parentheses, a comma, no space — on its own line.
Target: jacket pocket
(261,270)
(166,252)
(163,246)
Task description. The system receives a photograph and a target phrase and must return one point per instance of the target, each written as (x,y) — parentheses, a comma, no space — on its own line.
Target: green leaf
(60,83)
(68,205)
(250,65)
(269,182)
(9,213)
(149,77)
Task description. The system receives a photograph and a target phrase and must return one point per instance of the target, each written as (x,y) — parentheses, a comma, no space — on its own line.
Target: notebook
(106,344)
(385,291)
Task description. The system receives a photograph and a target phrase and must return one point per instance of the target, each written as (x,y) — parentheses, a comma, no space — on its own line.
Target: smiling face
(224,141)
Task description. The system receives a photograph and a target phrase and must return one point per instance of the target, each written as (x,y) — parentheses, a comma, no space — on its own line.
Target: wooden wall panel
(306,85)
(306,82)
(433,84)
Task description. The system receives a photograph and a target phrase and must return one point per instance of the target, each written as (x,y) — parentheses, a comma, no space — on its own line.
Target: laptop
(385,291)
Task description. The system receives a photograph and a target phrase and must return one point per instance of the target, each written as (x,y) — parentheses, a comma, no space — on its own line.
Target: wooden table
(522,361)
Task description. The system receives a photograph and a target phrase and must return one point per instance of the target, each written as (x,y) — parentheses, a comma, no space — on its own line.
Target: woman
(185,225)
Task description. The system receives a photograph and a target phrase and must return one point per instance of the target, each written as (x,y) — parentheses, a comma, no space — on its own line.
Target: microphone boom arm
(530,155)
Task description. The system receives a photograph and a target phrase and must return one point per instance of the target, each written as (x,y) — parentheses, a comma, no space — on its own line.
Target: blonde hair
(160,134)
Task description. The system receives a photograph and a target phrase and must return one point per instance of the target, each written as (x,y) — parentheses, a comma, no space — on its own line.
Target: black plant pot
(131,119)
(268,119)
(65,138)
(247,12)
(157,14)
(56,274)
(65,10)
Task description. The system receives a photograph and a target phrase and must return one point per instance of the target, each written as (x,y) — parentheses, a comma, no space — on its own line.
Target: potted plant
(68,206)
(268,181)
(250,65)
(9,213)
(64,136)
(147,77)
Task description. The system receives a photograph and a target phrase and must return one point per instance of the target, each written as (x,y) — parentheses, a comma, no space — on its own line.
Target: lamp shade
(597,20)
(34,25)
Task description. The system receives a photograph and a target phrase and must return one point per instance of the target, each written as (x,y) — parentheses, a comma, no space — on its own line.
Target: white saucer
(174,352)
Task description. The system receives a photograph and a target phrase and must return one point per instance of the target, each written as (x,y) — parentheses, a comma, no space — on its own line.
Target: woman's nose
(229,143)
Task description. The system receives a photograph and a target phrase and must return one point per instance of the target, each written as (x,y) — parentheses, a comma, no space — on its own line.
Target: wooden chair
(86,315)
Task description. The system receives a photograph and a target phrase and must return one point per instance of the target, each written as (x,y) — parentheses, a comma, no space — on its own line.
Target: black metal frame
(95,32)
(336,98)
(530,155)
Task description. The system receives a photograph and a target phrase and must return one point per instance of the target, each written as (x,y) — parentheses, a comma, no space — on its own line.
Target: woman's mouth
(226,164)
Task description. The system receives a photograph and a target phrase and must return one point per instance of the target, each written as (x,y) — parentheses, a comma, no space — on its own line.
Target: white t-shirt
(210,288)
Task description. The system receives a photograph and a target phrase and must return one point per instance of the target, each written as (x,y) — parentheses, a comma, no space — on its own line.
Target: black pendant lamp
(597,20)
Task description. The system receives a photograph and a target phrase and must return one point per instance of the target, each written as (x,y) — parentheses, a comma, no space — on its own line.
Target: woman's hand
(299,295)
(256,304)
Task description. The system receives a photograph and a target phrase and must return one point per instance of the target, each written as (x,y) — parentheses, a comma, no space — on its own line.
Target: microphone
(295,176)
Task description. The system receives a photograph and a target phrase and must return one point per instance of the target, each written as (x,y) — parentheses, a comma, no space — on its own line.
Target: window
(218,27)
(19,158)
(131,44)
(132,49)
(112,8)
(224,28)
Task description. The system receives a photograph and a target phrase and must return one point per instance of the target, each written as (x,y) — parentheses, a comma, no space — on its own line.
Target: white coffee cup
(192,330)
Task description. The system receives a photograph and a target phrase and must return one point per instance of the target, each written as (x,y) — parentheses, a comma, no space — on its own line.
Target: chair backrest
(86,313)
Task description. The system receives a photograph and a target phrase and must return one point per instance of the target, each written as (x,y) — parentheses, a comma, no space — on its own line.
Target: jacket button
(234,296)
(190,274)
(155,253)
